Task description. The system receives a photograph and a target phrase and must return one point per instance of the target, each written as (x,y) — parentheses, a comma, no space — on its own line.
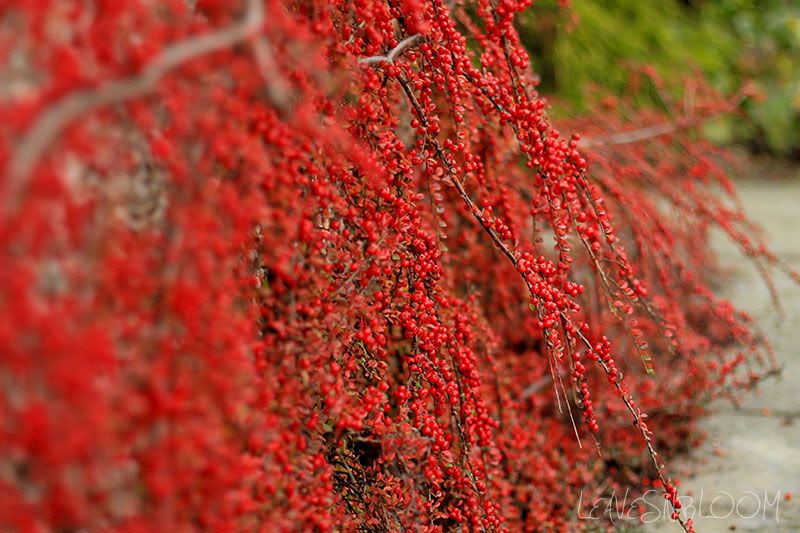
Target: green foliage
(728,41)
(770,32)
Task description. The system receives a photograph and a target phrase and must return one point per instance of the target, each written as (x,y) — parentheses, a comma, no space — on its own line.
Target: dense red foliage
(257,278)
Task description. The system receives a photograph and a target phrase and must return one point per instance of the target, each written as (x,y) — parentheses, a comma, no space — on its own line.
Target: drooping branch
(57,117)
(615,378)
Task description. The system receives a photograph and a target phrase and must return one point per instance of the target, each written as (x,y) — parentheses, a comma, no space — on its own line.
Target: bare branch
(625,137)
(401,47)
(657,130)
(277,87)
(54,119)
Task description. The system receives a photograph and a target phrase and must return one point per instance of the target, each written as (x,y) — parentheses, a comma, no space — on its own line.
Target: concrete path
(746,477)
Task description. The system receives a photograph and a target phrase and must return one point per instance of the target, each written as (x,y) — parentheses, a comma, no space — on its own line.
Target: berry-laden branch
(602,353)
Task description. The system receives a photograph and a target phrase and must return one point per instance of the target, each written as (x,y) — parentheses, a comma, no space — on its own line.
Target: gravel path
(746,477)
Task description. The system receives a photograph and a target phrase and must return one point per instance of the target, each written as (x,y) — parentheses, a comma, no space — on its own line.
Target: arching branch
(54,119)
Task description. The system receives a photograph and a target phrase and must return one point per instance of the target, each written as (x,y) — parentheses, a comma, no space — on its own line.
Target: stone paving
(746,477)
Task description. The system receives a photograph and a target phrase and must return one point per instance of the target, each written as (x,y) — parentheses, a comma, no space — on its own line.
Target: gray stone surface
(752,455)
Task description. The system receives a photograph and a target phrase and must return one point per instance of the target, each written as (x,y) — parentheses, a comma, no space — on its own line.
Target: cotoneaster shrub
(314,266)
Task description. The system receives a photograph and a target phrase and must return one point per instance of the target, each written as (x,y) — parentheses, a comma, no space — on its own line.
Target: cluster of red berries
(313,265)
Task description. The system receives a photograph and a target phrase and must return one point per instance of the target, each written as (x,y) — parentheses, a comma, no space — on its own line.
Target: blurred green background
(729,41)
